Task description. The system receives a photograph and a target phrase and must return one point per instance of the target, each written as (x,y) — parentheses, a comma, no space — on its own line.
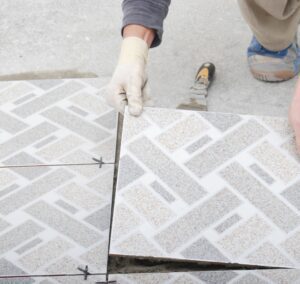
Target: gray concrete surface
(54,38)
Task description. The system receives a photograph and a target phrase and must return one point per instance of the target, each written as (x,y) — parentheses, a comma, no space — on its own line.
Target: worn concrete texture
(52,38)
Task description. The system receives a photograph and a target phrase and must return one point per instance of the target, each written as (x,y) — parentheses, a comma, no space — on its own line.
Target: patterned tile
(226,191)
(54,218)
(291,276)
(59,279)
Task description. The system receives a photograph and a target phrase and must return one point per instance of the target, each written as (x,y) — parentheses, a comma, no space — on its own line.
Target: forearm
(141,32)
(147,14)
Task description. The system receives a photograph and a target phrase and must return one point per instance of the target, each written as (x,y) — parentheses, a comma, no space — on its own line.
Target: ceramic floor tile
(54,218)
(226,192)
(291,276)
(41,125)
(92,279)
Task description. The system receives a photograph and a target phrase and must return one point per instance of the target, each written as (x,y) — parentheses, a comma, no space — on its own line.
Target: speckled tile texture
(54,219)
(291,276)
(208,186)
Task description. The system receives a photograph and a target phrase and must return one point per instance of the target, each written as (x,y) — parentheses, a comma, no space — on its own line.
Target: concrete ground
(54,38)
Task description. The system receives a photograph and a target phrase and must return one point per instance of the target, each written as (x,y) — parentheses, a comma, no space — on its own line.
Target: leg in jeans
(273,54)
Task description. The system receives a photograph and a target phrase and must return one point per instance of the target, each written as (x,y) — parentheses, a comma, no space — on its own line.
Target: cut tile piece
(227,202)
(52,219)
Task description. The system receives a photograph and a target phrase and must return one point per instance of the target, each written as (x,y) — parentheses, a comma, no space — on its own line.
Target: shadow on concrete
(38,75)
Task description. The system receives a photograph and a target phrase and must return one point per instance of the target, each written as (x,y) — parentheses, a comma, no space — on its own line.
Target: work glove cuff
(133,50)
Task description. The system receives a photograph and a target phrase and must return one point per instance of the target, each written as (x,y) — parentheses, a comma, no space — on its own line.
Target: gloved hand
(294,115)
(129,81)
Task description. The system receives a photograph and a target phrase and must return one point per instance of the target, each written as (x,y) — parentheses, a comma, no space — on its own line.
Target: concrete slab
(77,38)
(55,218)
(208,186)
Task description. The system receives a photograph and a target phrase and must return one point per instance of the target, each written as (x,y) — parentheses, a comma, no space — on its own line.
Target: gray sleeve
(147,13)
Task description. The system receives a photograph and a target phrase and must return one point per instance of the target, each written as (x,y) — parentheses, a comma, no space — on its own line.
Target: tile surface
(208,186)
(54,218)
(291,276)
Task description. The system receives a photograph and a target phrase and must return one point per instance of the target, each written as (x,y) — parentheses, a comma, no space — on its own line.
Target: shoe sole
(279,76)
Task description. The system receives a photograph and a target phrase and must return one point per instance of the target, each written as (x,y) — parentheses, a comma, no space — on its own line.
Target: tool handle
(206,71)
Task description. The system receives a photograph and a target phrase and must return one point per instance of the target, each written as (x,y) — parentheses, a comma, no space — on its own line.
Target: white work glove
(129,81)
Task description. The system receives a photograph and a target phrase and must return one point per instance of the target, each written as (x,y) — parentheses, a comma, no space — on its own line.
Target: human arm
(142,28)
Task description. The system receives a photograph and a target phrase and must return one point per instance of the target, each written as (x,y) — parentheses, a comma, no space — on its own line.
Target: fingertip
(135,110)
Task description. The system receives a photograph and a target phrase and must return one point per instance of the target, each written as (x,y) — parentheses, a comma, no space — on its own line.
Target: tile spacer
(85,271)
(99,161)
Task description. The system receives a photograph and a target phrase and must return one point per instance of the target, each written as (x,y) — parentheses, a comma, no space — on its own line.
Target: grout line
(115,178)
(56,165)
(48,275)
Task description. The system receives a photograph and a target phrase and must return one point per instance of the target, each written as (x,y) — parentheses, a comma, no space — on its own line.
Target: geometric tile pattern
(291,276)
(208,186)
(54,218)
